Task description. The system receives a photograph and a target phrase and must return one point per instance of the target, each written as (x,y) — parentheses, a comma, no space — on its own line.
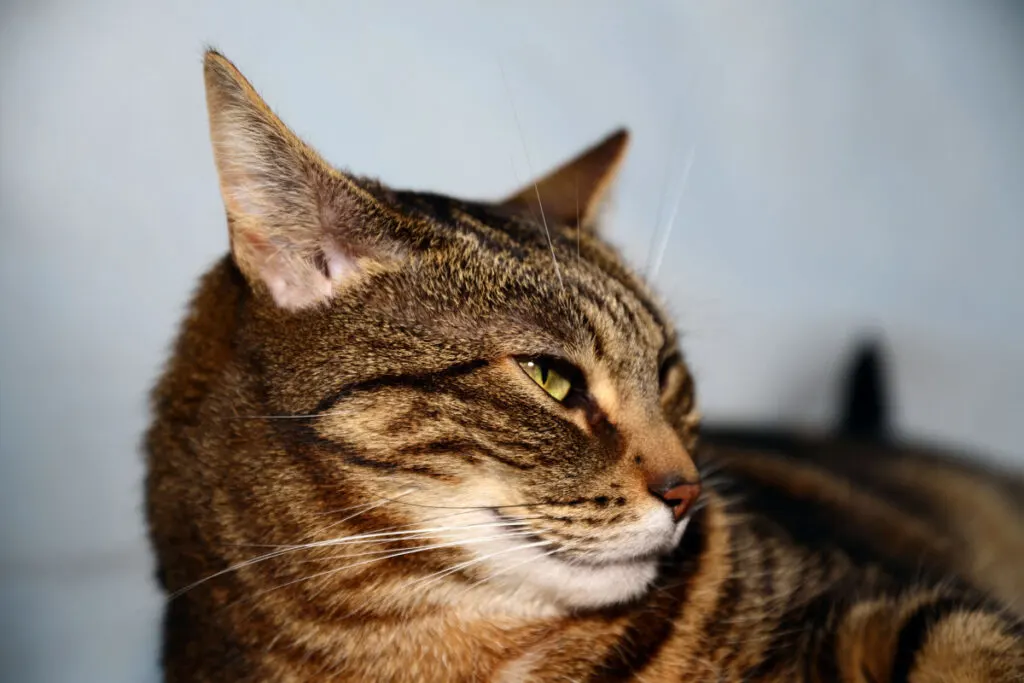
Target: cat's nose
(679,495)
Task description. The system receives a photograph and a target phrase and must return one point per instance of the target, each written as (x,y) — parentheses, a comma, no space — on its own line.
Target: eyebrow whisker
(529,167)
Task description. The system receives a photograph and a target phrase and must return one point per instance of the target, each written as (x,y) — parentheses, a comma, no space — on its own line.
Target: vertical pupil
(544,374)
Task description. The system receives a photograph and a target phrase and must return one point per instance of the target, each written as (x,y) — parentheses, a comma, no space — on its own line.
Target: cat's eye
(554,380)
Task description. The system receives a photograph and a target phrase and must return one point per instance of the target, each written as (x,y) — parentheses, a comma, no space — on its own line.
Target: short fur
(351,479)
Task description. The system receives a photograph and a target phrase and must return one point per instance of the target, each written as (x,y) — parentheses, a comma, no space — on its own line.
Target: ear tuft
(290,214)
(572,194)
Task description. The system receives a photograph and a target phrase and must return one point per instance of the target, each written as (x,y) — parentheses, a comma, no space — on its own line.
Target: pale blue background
(857,165)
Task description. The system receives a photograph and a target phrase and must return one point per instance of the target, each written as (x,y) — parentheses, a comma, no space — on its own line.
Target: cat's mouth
(656,549)
(617,559)
(612,565)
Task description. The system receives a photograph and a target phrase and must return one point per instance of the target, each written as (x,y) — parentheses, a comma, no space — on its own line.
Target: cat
(969,516)
(405,437)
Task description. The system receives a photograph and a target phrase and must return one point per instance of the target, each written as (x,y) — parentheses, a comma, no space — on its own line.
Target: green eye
(550,380)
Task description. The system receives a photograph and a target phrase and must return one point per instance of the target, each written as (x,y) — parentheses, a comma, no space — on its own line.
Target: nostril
(678,494)
(660,486)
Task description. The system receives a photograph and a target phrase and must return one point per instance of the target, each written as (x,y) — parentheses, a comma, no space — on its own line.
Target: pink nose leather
(678,496)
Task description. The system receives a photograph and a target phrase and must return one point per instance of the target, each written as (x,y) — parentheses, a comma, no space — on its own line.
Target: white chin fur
(578,586)
(612,578)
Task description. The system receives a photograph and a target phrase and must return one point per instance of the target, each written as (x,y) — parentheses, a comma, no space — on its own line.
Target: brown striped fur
(350,370)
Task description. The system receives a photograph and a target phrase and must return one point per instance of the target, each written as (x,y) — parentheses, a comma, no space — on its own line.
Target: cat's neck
(474,634)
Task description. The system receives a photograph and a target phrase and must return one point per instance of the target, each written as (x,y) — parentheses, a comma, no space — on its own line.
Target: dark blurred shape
(865,413)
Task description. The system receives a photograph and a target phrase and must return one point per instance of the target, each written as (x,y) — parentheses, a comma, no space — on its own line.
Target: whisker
(422,549)
(437,576)
(445,544)
(289,416)
(579,228)
(677,126)
(409,536)
(275,417)
(658,215)
(519,564)
(466,512)
(360,538)
(672,217)
(363,538)
(529,167)
(466,507)
(387,530)
(235,567)
(347,566)
(366,507)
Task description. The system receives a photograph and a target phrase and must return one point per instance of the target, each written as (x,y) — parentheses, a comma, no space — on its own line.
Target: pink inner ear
(298,282)
(294,280)
(294,291)
(340,266)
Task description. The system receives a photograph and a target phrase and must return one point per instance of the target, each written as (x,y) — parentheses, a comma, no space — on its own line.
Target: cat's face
(462,367)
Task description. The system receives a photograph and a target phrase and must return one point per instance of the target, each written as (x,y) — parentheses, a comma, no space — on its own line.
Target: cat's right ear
(298,226)
(573,193)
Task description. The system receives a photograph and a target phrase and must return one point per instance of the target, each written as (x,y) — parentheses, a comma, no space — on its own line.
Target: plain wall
(857,166)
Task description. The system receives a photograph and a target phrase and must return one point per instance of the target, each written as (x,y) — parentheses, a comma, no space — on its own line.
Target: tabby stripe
(613,304)
(609,302)
(459,446)
(491,238)
(304,434)
(591,331)
(794,632)
(651,626)
(768,569)
(717,623)
(624,310)
(418,380)
(634,287)
(352,459)
(809,524)
(914,633)
(825,661)
(767,588)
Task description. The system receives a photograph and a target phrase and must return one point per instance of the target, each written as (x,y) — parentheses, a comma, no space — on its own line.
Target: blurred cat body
(404,437)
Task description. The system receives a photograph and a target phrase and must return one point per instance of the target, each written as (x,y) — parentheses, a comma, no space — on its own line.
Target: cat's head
(489,370)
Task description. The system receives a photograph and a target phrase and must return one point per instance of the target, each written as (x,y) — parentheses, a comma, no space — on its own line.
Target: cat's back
(912,509)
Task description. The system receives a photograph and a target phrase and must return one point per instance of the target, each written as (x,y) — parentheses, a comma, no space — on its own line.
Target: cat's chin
(592,582)
(582,586)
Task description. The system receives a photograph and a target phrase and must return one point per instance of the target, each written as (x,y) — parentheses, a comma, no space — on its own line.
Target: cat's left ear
(572,194)
(299,227)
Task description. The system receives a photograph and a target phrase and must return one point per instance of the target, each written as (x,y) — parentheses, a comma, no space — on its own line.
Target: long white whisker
(658,215)
(677,126)
(277,417)
(361,538)
(579,228)
(466,507)
(365,508)
(529,167)
(432,578)
(445,544)
(233,568)
(518,564)
(435,546)
(349,566)
(279,546)
(514,530)
(672,217)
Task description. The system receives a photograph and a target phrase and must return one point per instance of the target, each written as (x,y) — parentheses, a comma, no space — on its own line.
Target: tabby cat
(404,437)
